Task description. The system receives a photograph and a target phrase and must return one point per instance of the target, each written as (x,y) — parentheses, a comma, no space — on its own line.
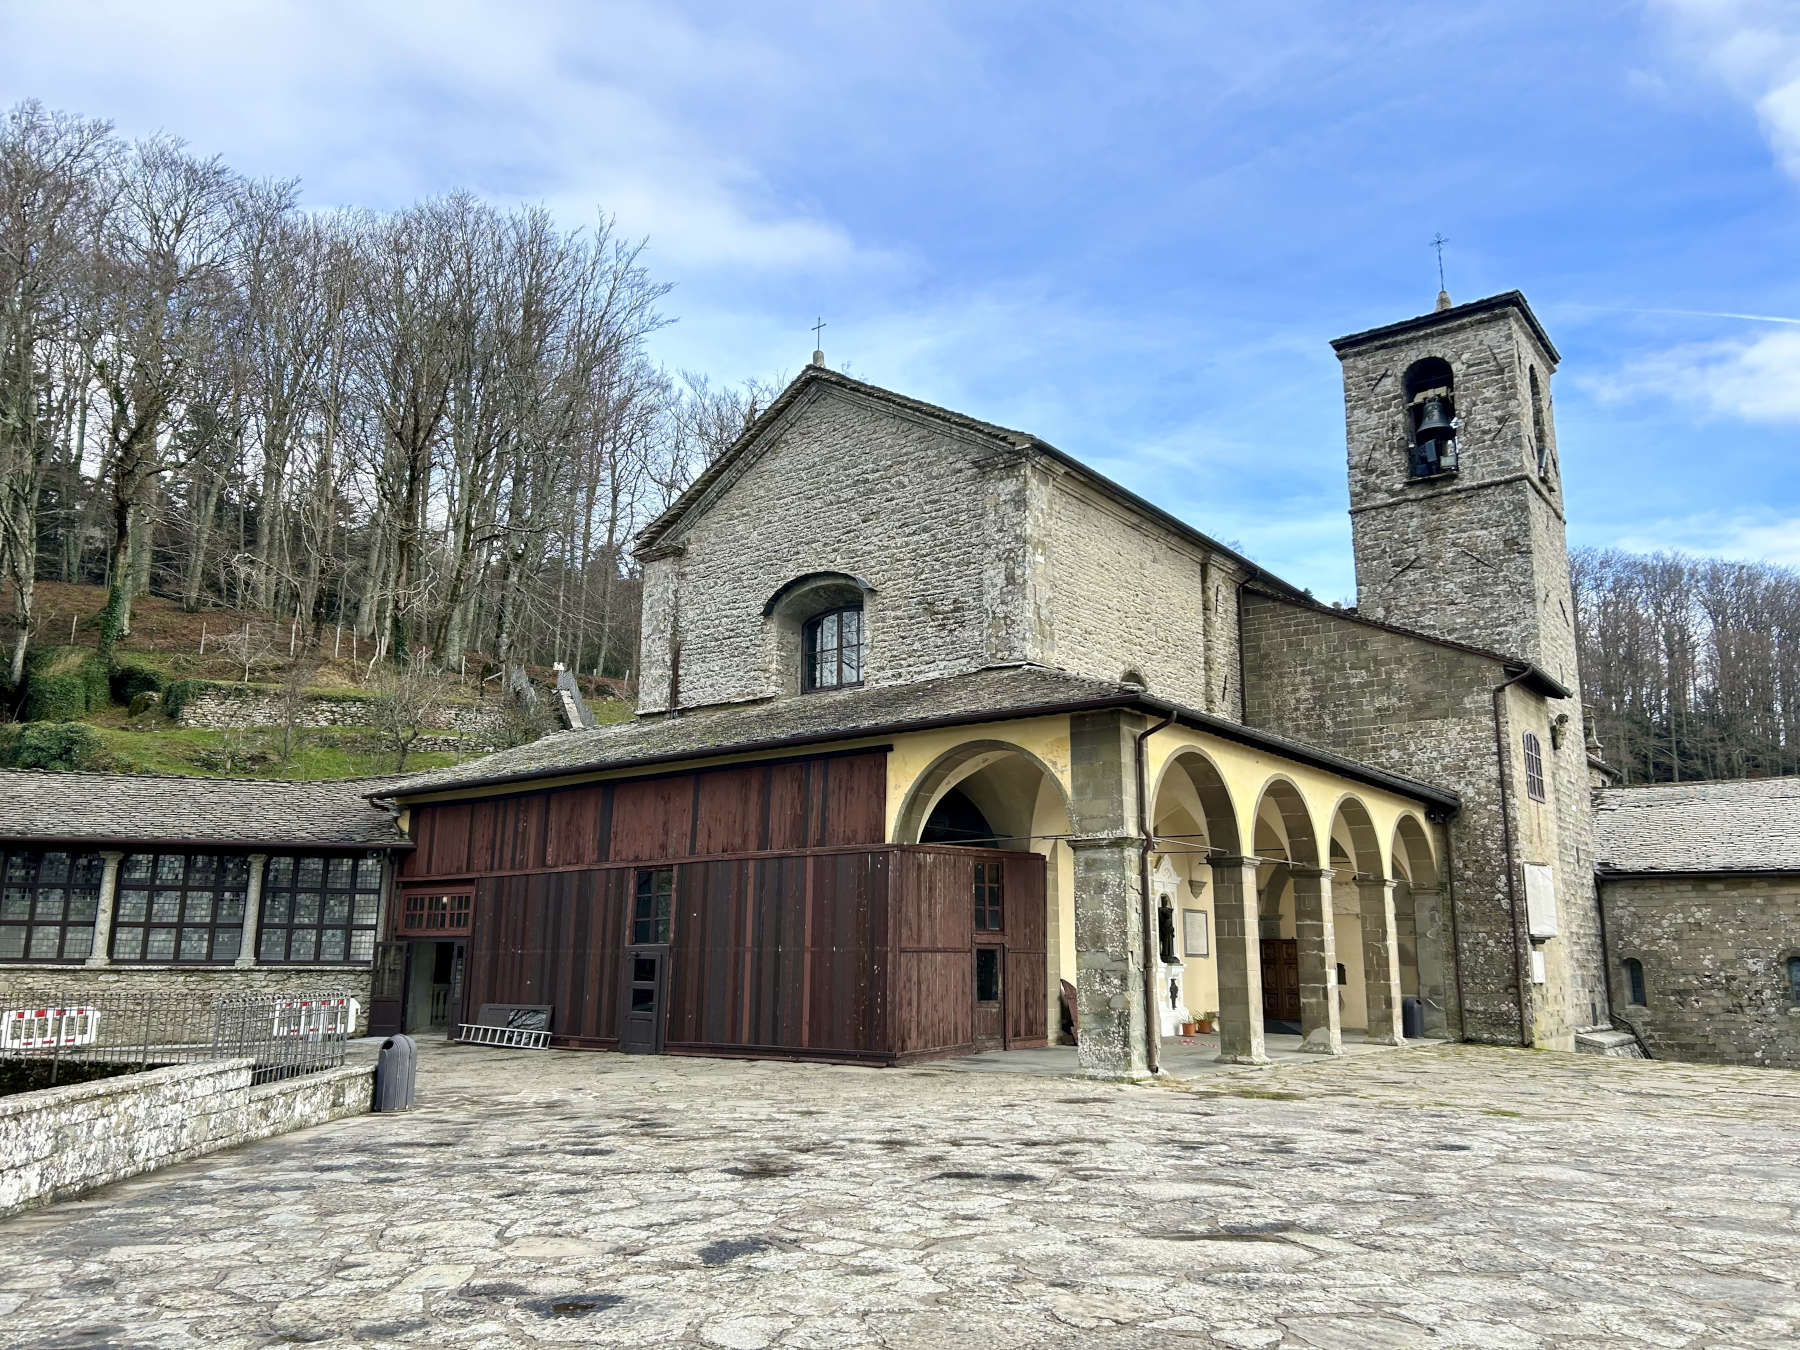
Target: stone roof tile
(225,812)
(1747,826)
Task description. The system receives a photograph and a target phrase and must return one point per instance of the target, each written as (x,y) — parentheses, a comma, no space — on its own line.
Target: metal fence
(58,1030)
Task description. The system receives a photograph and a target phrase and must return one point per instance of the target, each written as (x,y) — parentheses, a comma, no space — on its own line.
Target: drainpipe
(1521,962)
(1152,1022)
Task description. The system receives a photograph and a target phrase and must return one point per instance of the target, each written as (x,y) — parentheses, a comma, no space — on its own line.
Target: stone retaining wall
(62,1141)
(232,706)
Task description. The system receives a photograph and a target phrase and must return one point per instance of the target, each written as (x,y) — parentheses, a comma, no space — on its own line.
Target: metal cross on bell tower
(818,358)
(1437,242)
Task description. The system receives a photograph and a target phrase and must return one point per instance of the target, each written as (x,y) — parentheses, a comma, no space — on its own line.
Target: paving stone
(1440,1198)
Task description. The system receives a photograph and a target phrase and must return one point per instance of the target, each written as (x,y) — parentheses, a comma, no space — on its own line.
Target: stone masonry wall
(1424,710)
(62,1141)
(843,485)
(225,706)
(1714,951)
(1123,591)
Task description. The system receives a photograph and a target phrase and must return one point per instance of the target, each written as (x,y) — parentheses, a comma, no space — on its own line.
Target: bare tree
(408,701)
(53,186)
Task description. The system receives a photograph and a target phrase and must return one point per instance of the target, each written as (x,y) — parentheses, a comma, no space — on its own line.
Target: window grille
(436,915)
(180,907)
(1534,767)
(47,905)
(653,907)
(834,649)
(319,909)
(990,913)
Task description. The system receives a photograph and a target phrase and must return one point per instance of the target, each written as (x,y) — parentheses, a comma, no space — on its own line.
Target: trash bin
(1412,1018)
(396,1068)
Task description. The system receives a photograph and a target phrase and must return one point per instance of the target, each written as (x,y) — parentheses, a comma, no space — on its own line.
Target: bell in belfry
(1435,420)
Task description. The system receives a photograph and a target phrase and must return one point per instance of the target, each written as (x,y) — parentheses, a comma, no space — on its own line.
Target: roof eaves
(1514,300)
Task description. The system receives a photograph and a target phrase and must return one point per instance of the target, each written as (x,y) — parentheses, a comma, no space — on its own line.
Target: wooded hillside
(1692,665)
(437,426)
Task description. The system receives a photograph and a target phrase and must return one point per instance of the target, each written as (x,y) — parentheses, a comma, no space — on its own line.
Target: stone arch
(785,614)
(1196,825)
(1358,832)
(1289,803)
(1421,922)
(951,768)
(1218,810)
(1412,853)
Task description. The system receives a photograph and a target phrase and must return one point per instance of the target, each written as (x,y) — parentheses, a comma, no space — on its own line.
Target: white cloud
(1743,537)
(376,104)
(1754,47)
(1751,379)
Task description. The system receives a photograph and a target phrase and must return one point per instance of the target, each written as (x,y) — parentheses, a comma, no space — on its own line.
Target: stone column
(1237,957)
(252,912)
(1320,1026)
(101,953)
(1108,850)
(1109,979)
(1381,960)
(1432,947)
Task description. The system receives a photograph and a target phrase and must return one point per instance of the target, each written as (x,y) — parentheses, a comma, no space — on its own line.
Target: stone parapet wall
(62,1141)
(1714,951)
(39,984)
(249,706)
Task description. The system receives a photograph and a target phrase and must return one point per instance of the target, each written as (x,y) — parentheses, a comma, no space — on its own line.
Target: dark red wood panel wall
(821,802)
(797,930)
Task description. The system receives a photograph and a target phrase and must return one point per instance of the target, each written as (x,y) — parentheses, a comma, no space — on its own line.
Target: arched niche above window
(817,626)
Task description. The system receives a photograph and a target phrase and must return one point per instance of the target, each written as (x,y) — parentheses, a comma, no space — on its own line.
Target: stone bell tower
(1455,493)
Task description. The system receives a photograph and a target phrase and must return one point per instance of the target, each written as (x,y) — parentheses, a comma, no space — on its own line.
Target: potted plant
(1208,1021)
(1187,1021)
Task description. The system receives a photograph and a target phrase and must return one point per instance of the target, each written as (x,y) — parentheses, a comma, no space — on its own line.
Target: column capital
(1315,873)
(1372,882)
(1234,860)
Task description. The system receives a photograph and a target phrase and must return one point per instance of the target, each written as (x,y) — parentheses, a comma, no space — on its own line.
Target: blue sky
(1129,229)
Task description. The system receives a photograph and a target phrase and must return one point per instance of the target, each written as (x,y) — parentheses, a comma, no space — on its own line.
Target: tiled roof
(150,808)
(994,694)
(1749,826)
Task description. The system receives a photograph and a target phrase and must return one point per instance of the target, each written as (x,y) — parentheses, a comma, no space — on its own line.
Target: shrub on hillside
(63,684)
(63,746)
(177,695)
(130,678)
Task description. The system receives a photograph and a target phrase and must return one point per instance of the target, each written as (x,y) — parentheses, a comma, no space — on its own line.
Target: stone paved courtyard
(1449,1196)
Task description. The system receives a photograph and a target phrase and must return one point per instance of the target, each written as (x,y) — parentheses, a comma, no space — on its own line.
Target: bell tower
(1455,495)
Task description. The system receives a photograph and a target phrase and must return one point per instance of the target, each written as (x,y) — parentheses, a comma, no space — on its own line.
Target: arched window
(1634,978)
(1793,974)
(1534,766)
(834,649)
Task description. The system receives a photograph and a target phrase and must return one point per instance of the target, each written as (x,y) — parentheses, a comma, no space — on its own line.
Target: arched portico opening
(1195,823)
(1363,916)
(1298,949)
(1420,925)
(995,795)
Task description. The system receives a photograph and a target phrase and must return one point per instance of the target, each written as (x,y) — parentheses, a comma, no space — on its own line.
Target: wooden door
(387,988)
(1281,979)
(641,1015)
(990,996)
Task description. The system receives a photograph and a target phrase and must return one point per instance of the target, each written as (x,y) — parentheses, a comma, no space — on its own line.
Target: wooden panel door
(990,996)
(644,983)
(1281,979)
(387,988)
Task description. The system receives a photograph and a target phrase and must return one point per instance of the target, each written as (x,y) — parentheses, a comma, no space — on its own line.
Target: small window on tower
(1534,766)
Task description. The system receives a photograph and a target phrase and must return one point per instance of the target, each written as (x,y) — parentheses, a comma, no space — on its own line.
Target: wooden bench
(517,1026)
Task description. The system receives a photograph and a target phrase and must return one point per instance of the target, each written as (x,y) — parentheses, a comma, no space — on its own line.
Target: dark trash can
(396,1069)
(1412,1018)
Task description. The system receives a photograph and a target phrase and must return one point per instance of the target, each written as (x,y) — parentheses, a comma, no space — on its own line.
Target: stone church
(946,741)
